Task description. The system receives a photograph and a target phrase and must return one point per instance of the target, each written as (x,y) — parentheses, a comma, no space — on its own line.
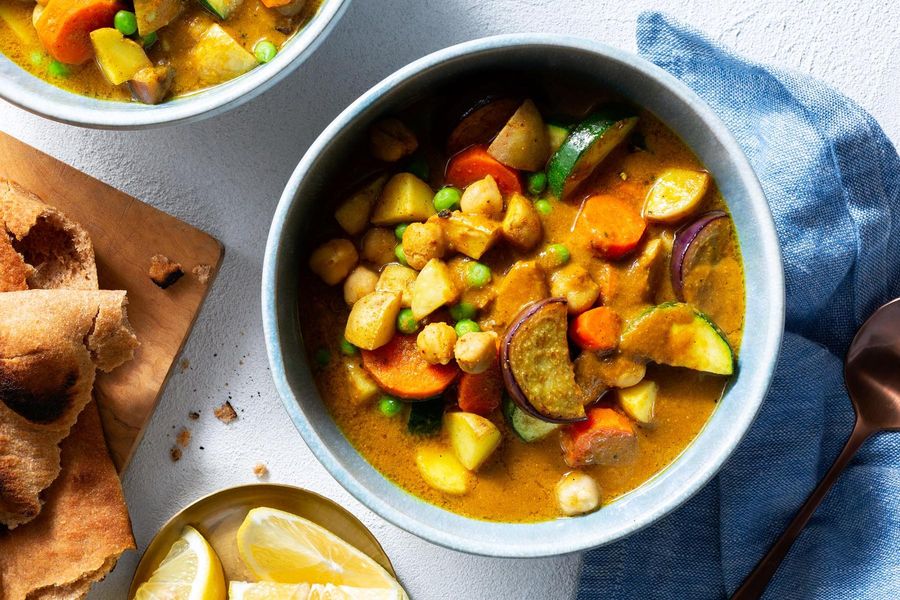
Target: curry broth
(517,483)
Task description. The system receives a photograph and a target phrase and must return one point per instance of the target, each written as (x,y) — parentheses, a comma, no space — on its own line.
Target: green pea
(264,50)
(418,166)
(478,275)
(401,255)
(466,326)
(463,310)
(347,348)
(406,323)
(389,406)
(557,254)
(58,69)
(323,357)
(399,229)
(126,22)
(149,39)
(36,57)
(447,198)
(543,206)
(537,183)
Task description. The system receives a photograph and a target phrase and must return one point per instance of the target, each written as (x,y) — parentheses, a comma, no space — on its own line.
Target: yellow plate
(218,516)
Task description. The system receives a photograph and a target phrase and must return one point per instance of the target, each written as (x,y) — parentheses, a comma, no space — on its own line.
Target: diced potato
(433,289)
(152,84)
(399,279)
(404,199)
(362,387)
(373,320)
(676,194)
(353,213)
(377,246)
(483,198)
(639,401)
(574,283)
(436,342)
(333,260)
(472,437)
(523,284)
(119,58)
(522,223)
(523,142)
(577,493)
(390,140)
(422,242)
(471,234)
(155,14)
(476,351)
(442,470)
(360,282)
(21,28)
(217,57)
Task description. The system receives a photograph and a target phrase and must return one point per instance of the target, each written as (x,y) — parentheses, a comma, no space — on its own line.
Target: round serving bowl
(645,85)
(36,95)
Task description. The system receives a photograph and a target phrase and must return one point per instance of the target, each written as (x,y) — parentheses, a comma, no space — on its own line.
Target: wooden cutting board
(126,233)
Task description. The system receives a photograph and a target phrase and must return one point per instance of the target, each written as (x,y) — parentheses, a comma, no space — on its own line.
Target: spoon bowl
(872,369)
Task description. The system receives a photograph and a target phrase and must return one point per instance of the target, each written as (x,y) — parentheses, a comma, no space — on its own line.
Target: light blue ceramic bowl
(686,114)
(36,95)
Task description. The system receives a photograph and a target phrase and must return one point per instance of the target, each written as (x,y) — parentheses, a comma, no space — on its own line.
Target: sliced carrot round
(400,369)
(615,226)
(474,164)
(64,27)
(596,330)
(481,393)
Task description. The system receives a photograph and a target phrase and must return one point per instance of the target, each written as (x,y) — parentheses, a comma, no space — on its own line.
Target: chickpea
(574,283)
(422,242)
(378,246)
(476,351)
(577,493)
(483,197)
(436,342)
(522,224)
(390,140)
(333,260)
(359,282)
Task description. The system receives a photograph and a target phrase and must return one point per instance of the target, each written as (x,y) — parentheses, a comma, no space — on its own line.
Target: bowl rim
(543,537)
(37,96)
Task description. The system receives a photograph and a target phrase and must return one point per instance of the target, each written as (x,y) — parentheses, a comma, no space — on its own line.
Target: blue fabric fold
(832,179)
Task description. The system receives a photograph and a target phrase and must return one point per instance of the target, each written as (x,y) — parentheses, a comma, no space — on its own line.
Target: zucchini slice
(525,426)
(676,334)
(221,8)
(586,147)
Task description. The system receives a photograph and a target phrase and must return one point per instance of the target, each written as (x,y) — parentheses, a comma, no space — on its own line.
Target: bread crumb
(164,272)
(225,413)
(261,471)
(184,437)
(193,415)
(175,453)
(201,272)
(184,365)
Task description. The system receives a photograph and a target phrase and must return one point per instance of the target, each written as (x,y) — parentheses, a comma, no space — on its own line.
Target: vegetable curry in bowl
(146,50)
(521,306)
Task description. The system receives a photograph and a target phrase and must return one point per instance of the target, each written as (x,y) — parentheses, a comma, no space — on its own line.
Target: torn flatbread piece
(51,343)
(80,533)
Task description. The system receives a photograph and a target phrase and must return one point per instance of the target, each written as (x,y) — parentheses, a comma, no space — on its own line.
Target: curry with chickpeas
(148,50)
(520,312)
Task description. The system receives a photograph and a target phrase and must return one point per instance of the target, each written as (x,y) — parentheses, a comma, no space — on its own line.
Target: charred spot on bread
(40,403)
(163,271)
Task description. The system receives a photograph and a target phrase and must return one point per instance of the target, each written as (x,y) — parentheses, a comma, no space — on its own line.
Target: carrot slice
(275,3)
(606,438)
(400,369)
(596,330)
(481,393)
(64,27)
(615,226)
(474,164)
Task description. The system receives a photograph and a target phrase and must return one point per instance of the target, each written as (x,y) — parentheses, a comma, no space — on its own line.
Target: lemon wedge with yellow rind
(190,571)
(242,590)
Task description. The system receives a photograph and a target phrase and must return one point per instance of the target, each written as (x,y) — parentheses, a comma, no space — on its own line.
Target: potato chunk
(373,320)
(639,401)
(360,282)
(441,470)
(523,142)
(333,260)
(397,278)
(362,387)
(433,289)
(472,437)
(471,234)
(353,213)
(483,198)
(436,342)
(390,140)
(405,198)
(119,58)
(476,351)
(522,224)
(378,246)
(574,283)
(422,242)
(523,284)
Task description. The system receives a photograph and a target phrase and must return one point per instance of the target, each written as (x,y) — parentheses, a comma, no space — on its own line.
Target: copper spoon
(872,377)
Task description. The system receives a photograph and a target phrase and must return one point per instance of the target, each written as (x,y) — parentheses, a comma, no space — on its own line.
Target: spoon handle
(755,583)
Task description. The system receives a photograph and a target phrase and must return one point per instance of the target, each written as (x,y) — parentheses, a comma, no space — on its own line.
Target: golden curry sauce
(517,483)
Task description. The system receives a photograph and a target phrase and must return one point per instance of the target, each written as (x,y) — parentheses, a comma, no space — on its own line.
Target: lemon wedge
(242,590)
(280,547)
(190,571)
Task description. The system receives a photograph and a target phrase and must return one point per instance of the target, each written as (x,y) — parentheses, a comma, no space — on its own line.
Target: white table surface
(225,175)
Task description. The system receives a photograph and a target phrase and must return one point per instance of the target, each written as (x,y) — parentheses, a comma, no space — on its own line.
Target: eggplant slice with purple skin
(537,370)
(690,241)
